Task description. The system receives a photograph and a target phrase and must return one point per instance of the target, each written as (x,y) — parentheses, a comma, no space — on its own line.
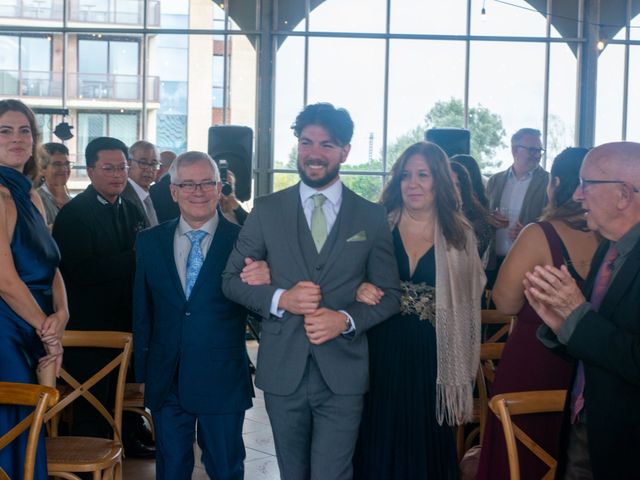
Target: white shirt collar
(333,193)
(210,226)
(142,194)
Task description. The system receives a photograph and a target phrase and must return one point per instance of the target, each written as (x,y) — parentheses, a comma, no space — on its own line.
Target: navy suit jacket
(199,341)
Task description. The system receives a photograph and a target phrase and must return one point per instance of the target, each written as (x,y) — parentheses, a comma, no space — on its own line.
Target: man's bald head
(616,160)
(166,159)
(609,188)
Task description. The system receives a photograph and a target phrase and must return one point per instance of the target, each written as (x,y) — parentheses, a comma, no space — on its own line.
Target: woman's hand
(369,294)
(53,355)
(53,327)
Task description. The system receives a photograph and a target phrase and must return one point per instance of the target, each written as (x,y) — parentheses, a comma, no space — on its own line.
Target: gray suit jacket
(130,195)
(363,251)
(532,206)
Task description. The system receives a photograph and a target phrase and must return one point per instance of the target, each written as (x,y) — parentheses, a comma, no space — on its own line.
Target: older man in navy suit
(190,340)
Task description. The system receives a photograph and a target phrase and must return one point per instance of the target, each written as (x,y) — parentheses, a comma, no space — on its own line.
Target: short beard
(321,182)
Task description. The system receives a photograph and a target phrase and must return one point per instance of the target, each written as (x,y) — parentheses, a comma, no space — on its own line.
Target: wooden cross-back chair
(497,325)
(24,394)
(102,456)
(521,403)
(490,353)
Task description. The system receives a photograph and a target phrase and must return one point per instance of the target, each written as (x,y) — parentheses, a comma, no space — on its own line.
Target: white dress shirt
(182,244)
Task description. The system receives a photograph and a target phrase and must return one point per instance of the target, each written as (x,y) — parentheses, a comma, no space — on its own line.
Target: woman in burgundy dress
(560,238)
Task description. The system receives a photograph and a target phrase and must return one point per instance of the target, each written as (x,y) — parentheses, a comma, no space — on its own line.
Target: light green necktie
(318,222)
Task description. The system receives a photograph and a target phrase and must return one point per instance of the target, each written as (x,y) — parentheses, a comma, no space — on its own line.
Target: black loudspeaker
(452,140)
(234,144)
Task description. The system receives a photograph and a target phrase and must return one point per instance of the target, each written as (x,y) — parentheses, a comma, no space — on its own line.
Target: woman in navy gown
(423,360)
(33,306)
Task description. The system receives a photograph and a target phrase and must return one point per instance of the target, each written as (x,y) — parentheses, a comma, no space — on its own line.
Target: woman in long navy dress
(33,306)
(422,361)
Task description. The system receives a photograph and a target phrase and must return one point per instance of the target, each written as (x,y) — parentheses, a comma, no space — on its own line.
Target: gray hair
(189,158)
(525,132)
(143,145)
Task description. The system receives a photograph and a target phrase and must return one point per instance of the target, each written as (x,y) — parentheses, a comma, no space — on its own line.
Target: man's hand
(301,299)
(369,294)
(498,220)
(324,325)
(255,272)
(555,288)
(228,203)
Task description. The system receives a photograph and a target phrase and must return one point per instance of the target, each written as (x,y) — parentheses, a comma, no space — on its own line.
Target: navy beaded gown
(36,257)
(400,438)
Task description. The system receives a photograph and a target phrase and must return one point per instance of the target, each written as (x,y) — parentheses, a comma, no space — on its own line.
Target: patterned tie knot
(318,200)
(196,236)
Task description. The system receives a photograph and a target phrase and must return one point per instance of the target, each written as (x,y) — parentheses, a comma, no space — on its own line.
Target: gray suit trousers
(315,431)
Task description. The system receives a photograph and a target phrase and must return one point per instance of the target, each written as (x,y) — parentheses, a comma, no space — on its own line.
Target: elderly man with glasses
(143,165)
(600,325)
(517,195)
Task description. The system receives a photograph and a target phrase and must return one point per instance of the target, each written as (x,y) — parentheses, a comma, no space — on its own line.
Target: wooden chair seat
(82,454)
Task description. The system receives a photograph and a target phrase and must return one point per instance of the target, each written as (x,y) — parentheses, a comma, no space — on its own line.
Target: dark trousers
(219,438)
(315,431)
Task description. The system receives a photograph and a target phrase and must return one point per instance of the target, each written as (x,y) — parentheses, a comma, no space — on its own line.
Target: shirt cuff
(570,324)
(278,312)
(352,326)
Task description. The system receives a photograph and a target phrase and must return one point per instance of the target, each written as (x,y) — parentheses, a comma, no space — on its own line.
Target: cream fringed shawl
(460,280)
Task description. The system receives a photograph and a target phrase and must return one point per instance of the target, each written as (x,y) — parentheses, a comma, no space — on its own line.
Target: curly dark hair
(447,207)
(336,121)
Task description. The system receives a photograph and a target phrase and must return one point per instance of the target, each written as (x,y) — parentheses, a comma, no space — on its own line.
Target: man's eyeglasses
(584,183)
(114,170)
(147,165)
(532,150)
(191,187)
(61,165)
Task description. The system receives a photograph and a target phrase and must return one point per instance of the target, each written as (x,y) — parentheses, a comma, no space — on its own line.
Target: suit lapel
(290,202)
(621,282)
(165,244)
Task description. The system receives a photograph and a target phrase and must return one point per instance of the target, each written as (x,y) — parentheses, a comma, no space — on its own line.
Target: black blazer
(166,208)
(201,340)
(608,342)
(97,262)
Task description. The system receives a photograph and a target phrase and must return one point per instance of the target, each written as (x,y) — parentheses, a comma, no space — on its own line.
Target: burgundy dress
(527,365)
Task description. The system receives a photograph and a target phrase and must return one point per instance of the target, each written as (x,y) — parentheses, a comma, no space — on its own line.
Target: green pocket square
(358,237)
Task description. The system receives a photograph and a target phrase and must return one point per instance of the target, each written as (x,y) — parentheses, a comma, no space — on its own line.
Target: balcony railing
(20,83)
(120,12)
(30,84)
(32,9)
(105,86)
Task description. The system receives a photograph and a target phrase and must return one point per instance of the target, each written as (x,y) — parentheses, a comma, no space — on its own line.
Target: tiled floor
(260,463)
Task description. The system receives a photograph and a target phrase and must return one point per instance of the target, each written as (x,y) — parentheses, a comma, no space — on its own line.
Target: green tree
(486,130)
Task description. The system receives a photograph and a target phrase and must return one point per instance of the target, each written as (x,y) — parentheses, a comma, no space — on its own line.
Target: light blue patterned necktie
(194,260)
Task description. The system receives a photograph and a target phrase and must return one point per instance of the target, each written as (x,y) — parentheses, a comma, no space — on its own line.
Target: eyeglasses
(191,187)
(61,165)
(147,165)
(113,170)
(532,150)
(584,183)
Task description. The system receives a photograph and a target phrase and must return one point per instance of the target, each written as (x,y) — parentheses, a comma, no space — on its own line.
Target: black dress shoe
(134,448)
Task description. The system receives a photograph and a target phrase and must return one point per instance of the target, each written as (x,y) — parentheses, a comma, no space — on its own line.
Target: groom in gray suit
(321,241)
